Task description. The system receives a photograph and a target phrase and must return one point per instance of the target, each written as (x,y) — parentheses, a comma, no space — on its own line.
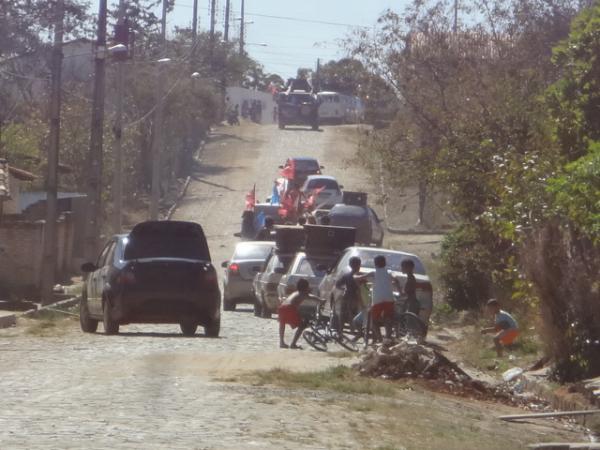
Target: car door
(95,291)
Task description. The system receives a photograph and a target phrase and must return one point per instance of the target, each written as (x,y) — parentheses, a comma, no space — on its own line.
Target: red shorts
(507,337)
(382,311)
(288,314)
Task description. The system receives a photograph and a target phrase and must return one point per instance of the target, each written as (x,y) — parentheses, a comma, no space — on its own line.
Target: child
(382,298)
(422,307)
(505,326)
(289,314)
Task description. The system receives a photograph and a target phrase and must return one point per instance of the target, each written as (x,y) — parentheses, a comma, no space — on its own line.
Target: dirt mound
(408,359)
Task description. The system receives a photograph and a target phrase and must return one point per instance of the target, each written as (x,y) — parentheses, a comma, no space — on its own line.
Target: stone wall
(21,252)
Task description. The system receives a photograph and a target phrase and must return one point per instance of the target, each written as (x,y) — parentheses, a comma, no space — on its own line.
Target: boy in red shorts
(505,326)
(289,314)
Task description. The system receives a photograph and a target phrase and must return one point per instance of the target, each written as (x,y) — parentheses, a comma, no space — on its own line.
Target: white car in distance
(330,191)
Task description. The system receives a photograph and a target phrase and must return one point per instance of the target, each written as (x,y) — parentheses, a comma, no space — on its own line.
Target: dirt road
(151,388)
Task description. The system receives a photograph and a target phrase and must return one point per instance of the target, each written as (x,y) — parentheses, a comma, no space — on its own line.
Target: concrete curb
(11,320)
(8,321)
(188,180)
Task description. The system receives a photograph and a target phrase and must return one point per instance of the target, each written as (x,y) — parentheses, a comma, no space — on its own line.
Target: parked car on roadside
(247,260)
(368,226)
(330,191)
(288,241)
(329,292)
(322,248)
(310,267)
(266,282)
(160,272)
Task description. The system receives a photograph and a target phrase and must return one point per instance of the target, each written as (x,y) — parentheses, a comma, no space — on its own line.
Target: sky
(289,43)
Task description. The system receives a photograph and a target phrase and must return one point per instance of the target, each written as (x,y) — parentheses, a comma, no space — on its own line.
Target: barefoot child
(505,326)
(289,314)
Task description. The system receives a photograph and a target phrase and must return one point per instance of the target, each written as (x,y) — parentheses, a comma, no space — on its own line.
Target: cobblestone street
(151,388)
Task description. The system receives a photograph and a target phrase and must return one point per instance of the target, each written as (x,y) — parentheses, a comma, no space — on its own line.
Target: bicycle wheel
(411,325)
(315,341)
(348,342)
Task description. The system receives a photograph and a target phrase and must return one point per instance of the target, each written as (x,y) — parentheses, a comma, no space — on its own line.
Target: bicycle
(321,332)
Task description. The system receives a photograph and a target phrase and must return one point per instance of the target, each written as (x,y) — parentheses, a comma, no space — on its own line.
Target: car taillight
(210,275)
(126,278)
(234,268)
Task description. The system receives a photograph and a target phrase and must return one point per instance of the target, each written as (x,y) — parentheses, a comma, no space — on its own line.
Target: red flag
(289,203)
(289,171)
(309,204)
(251,199)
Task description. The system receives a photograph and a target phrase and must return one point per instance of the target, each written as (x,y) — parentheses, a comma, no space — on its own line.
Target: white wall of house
(11,205)
(236,96)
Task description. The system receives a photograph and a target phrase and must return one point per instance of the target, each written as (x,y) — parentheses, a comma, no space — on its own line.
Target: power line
(292,19)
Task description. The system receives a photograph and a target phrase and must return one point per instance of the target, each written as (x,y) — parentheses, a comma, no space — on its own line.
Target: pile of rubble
(408,359)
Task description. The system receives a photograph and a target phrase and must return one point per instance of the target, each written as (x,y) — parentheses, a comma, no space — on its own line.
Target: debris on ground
(408,359)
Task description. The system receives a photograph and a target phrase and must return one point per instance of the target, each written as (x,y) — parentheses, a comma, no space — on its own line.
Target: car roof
(255,244)
(380,250)
(348,210)
(321,177)
(303,158)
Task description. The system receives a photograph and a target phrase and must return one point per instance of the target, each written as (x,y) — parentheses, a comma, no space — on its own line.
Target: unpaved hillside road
(150,388)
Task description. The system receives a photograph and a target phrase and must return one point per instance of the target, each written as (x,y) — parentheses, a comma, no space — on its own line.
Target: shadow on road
(287,128)
(161,335)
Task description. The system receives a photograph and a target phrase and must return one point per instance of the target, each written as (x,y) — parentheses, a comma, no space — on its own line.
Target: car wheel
(257,308)
(111,326)
(212,329)
(315,127)
(228,306)
(88,325)
(188,328)
(281,125)
(265,311)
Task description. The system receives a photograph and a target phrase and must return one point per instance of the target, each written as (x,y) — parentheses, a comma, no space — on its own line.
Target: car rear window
(251,252)
(166,240)
(322,182)
(308,268)
(393,260)
(306,165)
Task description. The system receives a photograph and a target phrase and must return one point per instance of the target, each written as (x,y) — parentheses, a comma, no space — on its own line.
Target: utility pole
(94,191)
(242,30)
(213,12)
(227,13)
(50,228)
(117,187)
(455,28)
(194,34)
(158,124)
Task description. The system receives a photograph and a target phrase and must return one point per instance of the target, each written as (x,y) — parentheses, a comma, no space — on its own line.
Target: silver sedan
(248,259)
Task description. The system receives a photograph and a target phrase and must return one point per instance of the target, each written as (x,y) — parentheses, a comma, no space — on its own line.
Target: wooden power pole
(227,14)
(50,227)
(94,191)
(242,18)
(194,34)
(158,124)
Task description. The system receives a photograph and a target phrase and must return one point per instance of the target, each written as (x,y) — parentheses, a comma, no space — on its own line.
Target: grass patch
(340,379)
(477,350)
(47,322)
(341,354)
